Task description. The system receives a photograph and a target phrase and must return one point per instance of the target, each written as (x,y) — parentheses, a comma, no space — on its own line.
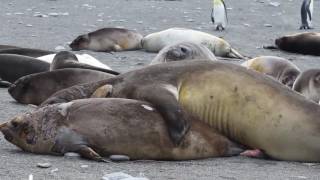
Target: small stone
(190,20)
(119,158)
(43,165)
(100,20)
(71,155)
(245,24)
(229,8)
(54,170)
(64,14)
(40,15)
(267,25)
(84,166)
(30,177)
(18,13)
(53,14)
(59,48)
(139,22)
(29,25)
(275,4)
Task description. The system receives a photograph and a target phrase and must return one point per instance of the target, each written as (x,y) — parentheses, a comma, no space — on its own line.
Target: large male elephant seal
(36,88)
(156,41)
(108,39)
(12,66)
(25,51)
(303,43)
(308,84)
(246,106)
(66,59)
(183,51)
(92,128)
(278,68)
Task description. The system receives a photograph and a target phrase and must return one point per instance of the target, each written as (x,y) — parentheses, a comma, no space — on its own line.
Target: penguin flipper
(225,9)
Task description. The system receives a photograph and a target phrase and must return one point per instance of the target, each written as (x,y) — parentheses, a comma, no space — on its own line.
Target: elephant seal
(136,130)
(66,59)
(303,43)
(278,68)
(108,39)
(12,66)
(36,88)
(183,51)
(246,106)
(308,84)
(7,47)
(156,41)
(25,51)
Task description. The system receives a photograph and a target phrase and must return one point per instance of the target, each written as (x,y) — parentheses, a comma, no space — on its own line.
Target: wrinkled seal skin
(66,59)
(246,106)
(36,88)
(12,67)
(183,51)
(308,84)
(156,41)
(25,51)
(97,128)
(108,39)
(303,43)
(278,68)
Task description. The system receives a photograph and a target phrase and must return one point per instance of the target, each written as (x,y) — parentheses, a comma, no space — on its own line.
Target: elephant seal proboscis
(278,68)
(308,84)
(156,41)
(108,39)
(36,88)
(183,51)
(246,106)
(66,59)
(97,128)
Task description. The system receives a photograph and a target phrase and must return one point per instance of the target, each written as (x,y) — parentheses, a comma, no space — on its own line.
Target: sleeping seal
(308,84)
(136,130)
(278,68)
(156,41)
(66,59)
(36,88)
(246,106)
(25,51)
(183,51)
(108,39)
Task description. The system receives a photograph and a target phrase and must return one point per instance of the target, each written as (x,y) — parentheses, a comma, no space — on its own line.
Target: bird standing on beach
(306,14)
(219,15)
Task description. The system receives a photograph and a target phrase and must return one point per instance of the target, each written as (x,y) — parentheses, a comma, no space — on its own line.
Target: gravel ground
(247,32)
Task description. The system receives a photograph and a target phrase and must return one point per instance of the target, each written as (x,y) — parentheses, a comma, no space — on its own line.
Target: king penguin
(306,14)
(219,14)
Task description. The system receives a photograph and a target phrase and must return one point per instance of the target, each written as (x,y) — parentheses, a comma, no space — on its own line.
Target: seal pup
(303,43)
(82,58)
(308,84)
(278,68)
(36,88)
(108,39)
(66,59)
(306,14)
(183,51)
(136,130)
(156,41)
(12,66)
(246,106)
(25,51)
(219,15)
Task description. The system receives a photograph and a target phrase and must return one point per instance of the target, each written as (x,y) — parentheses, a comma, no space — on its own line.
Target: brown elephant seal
(36,88)
(308,84)
(183,51)
(156,41)
(278,68)
(246,106)
(91,128)
(25,51)
(12,66)
(108,39)
(66,59)
(303,43)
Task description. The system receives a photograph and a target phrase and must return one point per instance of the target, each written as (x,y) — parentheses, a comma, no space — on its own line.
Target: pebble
(54,170)
(275,4)
(190,20)
(40,15)
(71,155)
(119,158)
(43,165)
(267,25)
(29,25)
(84,166)
(53,14)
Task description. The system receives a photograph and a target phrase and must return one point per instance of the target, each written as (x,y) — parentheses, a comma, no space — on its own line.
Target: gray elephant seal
(308,84)
(278,68)
(36,88)
(246,106)
(303,43)
(66,59)
(136,130)
(108,39)
(156,41)
(12,67)
(183,51)
(25,51)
